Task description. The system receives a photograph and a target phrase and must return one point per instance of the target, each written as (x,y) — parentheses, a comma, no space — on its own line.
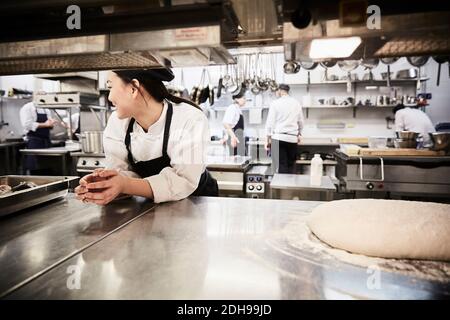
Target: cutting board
(399,152)
(354,140)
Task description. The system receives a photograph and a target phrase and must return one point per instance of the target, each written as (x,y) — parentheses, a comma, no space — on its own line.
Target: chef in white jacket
(283,128)
(233,122)
(413,119)
(37,123)
(155,144)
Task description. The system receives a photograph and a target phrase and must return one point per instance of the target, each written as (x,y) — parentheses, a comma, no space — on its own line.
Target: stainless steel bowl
(402,144)
(441,140)
(407,135)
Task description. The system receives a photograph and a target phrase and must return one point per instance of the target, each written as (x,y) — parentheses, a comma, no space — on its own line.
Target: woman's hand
(108,185)
(81,189)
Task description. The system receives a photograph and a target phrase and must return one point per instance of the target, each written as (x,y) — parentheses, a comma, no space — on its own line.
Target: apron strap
(128,139)
(166,134)
(167,128)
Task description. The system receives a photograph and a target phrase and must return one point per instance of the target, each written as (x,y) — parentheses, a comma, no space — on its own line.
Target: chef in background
(413,119)
(233,122)
(37,123)
(283,128)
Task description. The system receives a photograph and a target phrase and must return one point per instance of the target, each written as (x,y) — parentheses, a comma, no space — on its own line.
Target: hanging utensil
(440,60)
(291,67)
(183,90)
(418,61)
(388,62)
(220,85)
(370,64)
(273,83)
(308,65)
(327,65)
(262,82)
(233,82)
(255,89)
(348,66)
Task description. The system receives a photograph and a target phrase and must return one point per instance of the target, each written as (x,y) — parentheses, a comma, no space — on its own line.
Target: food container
(377,142)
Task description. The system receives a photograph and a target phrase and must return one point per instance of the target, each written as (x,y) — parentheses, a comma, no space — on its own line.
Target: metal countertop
(42,236)
(49,151)
(216,248)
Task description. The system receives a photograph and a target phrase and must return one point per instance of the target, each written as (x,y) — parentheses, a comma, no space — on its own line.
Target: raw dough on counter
(385,228)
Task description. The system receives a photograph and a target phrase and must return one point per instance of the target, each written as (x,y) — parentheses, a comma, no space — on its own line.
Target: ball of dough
(385,228)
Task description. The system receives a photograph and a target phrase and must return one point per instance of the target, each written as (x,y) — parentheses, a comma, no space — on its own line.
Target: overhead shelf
(354,107)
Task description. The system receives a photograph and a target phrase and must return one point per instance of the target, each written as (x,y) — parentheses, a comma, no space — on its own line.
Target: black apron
(239,134)
(78,131)
(207,185)
(38,139)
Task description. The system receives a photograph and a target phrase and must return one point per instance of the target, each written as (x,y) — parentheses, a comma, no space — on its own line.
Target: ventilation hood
(177,47)
(114,34)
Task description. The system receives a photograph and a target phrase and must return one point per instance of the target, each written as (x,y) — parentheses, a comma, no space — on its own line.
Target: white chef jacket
(74,121)
(412,119)
(285,119)
(187,148)
(28,116)
(232,115)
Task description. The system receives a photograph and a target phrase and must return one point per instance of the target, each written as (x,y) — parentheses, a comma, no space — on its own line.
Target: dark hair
(284,87)
(154,87)
(398,107)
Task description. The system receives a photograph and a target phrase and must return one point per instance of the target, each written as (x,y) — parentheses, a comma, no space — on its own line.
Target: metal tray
(48,188)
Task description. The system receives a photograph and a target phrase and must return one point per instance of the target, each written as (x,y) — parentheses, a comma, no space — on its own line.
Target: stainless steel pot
(91,141)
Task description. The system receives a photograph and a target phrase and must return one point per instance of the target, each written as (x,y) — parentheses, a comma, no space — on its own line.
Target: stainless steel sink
(46,188)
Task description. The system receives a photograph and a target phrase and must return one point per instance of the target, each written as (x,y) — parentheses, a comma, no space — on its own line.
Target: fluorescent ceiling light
(333,47)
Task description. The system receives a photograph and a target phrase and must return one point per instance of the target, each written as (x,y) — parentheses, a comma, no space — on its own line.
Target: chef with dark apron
(37,124)
(155,143)
(233,122)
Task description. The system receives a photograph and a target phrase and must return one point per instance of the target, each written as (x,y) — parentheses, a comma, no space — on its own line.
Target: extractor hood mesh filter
(415,46)
(79,62)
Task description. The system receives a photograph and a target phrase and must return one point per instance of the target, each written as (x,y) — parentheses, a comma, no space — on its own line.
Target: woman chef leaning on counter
(155,144)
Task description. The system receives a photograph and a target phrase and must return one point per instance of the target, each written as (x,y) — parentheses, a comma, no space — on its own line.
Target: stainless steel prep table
(286,186)
(62,152)
(41,237)
(217,248)
(425,176)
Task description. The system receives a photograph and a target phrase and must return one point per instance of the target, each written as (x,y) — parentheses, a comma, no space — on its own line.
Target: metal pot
(441,140)
(405,144)
(91,141)
(407,135)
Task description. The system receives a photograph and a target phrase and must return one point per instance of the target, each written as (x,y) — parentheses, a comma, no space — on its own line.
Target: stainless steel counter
(53,151)
(209,248)
(290,186)
(227,162)
(41,237)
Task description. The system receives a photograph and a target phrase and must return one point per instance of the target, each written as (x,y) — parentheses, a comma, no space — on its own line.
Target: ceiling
(147,33)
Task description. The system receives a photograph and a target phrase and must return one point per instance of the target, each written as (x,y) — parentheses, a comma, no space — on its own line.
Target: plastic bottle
(316,170)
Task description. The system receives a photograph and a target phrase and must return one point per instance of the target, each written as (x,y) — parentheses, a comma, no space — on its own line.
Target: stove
(88,162)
